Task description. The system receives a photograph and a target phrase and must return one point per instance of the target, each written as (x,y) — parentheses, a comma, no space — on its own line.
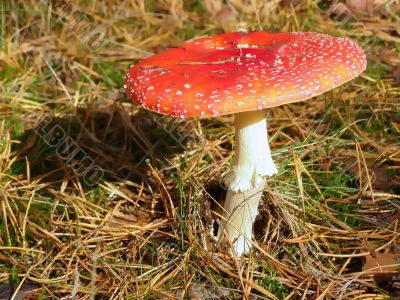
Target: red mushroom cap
(236,72)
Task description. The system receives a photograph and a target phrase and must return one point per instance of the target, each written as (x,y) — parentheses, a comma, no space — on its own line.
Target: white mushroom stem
(245,181)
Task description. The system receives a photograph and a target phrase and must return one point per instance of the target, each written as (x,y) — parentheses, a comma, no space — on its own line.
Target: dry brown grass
(144,231)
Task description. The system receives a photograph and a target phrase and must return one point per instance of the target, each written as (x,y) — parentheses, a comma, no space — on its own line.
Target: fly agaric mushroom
(243,74)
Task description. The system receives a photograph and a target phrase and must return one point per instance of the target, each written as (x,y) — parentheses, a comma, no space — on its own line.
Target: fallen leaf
(379,175)
(396,74)
(26,292)
(339,11)
(212,6)
(381,218)
(361,6)
(381,263)
(129,218)
(269,9)
(202,292)
(294,3)
(390,57)
(384,267)
(388,9)
(226,18)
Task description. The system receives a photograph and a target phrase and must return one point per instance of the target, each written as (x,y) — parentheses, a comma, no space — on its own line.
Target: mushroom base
(240,211)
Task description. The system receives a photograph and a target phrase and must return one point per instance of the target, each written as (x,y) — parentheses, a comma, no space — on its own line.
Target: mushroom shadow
(96,144)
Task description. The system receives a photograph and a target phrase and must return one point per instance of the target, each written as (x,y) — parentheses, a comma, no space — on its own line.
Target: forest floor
(100,199)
